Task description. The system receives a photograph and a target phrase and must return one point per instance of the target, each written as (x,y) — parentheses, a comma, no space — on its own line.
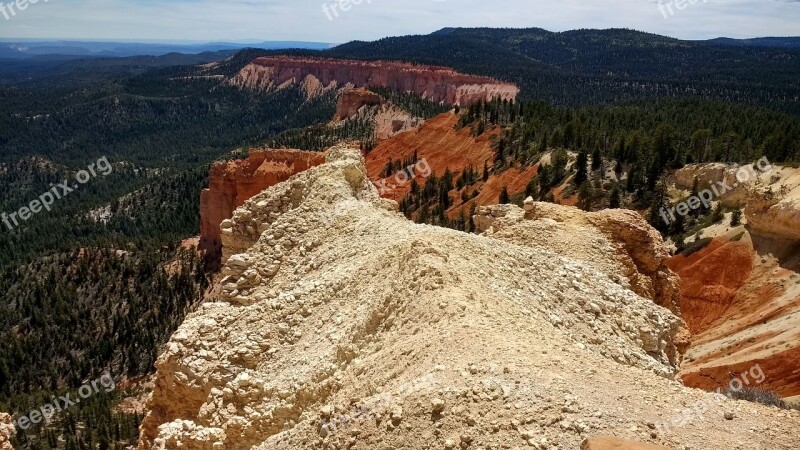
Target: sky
(337,21)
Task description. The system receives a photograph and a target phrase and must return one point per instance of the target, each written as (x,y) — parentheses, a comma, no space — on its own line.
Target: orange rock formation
(439,84)
(231,183)
(439,144)
(743,307)
(352,100)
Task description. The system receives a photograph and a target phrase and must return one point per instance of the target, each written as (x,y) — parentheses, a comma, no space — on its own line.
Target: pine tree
(659,204)
(532,189)
(581,174)
(585,195)
(717,215)
(504,197)
(736,218)
(597,160)
(615,200)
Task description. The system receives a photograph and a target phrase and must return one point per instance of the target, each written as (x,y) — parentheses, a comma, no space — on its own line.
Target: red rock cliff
(440,84)
(231,183)
(352,100)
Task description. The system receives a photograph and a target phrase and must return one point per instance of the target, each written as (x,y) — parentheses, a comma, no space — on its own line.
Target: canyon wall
(771,197)
(231,183)
(438,84)
(341,324)
(740,294)
(774,210)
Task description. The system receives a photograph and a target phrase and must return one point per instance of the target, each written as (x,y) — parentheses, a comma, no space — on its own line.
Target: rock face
(6,431)
(352,100)
(774,209)
(341,324)
(743,310)
(771,197)
(741,293)
(231,183)
(618,242)
(707,175)
(439,84)
(438,143)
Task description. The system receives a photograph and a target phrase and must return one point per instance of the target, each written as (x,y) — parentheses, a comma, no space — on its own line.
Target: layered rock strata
(438,84)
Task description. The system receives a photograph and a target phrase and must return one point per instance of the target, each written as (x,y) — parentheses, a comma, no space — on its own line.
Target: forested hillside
(585,67)
(98,282)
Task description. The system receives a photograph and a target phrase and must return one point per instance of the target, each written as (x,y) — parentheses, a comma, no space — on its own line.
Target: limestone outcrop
(771,197)
(618,242)
(774,209)
(231,183)
(6,431)
(438,84)
(341,324)
(708,176)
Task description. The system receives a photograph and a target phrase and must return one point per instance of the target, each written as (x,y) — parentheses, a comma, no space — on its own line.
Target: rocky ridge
(231,183)
(6,431)
(618,242)
(340,324)
(438,84)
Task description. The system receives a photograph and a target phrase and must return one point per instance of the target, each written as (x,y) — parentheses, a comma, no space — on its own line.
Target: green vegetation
(588,67)
(97,284)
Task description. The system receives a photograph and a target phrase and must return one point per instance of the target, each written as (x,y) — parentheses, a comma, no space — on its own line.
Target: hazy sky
(260,20)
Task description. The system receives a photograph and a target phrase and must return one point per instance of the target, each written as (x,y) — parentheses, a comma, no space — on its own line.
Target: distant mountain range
(71,49)
(785,42)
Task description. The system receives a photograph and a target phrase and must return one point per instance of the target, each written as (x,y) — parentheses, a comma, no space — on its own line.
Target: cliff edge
(438,84)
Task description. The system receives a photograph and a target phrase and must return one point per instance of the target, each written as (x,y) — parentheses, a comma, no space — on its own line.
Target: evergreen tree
(581,169)
(660,204)
(597,160)
(532,189)
(615,200)
(504,197)
(736,218)
(585,196)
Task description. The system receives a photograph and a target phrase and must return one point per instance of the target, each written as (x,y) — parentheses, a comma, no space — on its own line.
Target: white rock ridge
(341,324)
(6,431)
